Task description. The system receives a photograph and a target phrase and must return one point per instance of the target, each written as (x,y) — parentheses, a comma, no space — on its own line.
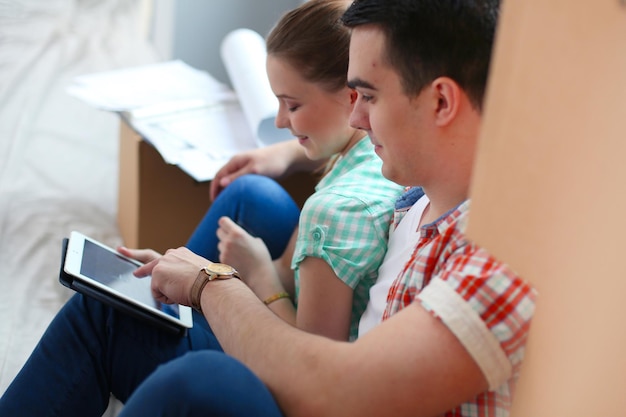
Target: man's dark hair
(426,39)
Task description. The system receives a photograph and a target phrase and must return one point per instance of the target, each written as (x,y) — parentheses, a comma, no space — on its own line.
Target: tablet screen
(116,272)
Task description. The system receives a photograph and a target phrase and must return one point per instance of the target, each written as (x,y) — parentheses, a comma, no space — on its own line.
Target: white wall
(192,30)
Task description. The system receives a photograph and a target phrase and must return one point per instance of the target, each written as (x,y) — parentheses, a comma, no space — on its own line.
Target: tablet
(96,270)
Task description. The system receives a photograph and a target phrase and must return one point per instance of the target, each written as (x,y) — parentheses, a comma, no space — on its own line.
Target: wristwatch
(209,273)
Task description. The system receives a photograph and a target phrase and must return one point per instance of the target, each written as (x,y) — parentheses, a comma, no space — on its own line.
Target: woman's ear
(448,95)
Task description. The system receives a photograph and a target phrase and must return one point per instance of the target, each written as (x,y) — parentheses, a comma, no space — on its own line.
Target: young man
(453,328)
(456,319)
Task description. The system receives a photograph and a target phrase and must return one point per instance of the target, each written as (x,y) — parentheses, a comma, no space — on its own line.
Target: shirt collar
(360,152)
(456,217)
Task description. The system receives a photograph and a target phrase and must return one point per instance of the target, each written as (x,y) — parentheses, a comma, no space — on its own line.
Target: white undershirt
(402,241)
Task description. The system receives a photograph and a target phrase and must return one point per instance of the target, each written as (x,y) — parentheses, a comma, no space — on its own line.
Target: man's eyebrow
(357,82)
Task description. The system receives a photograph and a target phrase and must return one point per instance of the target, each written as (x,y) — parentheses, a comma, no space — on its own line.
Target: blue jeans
(256,203)
(90,350)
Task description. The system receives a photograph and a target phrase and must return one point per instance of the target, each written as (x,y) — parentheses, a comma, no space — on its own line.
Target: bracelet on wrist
(269,300)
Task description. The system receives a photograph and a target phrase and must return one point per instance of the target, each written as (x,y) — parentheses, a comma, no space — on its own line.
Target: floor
(58,156)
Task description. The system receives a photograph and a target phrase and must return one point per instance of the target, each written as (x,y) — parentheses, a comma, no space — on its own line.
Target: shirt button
(317,235)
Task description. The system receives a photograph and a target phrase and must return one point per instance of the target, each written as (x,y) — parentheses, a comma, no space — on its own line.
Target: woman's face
(317,118)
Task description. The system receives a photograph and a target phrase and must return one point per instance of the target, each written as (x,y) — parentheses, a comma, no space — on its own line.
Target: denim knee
(202,383)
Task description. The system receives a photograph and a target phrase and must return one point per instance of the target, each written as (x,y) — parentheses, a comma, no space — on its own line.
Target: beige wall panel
(549,196)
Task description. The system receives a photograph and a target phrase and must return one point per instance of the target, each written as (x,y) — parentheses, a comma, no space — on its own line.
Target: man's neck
(440,204)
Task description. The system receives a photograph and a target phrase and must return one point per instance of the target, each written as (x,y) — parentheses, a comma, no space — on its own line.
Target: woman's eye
(291,106)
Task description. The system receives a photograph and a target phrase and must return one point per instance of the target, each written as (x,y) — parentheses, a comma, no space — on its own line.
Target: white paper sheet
(199,141)
(193,120)
(171,83)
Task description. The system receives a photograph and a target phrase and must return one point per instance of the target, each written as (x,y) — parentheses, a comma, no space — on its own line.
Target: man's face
(398,125)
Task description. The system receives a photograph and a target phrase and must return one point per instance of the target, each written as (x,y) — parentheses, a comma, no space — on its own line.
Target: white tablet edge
(72,266)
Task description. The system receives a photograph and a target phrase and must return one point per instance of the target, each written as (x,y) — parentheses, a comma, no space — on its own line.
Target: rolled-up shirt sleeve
(488,308)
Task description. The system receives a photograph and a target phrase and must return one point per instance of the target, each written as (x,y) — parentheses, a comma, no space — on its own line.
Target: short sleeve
(487,306)
(346,232)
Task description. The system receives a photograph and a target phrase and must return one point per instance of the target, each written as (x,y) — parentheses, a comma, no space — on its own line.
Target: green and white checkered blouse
(346,223)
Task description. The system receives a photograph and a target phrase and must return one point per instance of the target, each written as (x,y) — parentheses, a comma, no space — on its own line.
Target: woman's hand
(238,248)
(252,259)
(258,161)
(273,161)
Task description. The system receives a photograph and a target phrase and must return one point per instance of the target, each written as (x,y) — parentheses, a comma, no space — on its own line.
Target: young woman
(334,254)
(90,350)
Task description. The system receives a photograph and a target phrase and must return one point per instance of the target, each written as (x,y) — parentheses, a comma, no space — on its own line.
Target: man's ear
(448,95)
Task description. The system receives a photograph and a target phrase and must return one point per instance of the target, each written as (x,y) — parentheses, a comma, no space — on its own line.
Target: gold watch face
(220,269)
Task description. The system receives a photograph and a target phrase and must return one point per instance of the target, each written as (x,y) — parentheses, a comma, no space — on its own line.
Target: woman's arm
(275,161)
(325,302)
(283,266)
(252,259)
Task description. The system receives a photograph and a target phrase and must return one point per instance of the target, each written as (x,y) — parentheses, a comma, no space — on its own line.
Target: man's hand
(142,255)
(173,275)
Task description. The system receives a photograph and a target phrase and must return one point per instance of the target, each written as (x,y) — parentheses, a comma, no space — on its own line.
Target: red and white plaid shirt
(481,300)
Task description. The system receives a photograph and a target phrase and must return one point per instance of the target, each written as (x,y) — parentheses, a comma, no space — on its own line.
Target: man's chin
(387,173)
(393,176)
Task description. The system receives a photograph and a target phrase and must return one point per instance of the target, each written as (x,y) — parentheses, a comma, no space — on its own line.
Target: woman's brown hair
(313,40)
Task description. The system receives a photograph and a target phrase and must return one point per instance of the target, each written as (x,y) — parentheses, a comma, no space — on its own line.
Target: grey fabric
(58,156)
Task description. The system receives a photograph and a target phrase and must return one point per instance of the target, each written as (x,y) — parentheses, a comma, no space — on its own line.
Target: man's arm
(411,365)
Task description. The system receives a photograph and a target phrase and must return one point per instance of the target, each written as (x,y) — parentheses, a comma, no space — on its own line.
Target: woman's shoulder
(352,199)
(364,181)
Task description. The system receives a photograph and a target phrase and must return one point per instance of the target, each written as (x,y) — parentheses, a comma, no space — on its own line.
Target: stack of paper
(193,120)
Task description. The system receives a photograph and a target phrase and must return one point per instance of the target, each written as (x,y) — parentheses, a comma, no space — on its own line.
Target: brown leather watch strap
(196,289)
(206,274)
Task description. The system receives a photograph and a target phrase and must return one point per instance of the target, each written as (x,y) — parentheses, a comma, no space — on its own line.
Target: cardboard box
(547,196)
(159,205)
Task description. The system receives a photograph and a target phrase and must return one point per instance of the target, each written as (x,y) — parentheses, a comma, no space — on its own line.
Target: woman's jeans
(91,350)
(256,203)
